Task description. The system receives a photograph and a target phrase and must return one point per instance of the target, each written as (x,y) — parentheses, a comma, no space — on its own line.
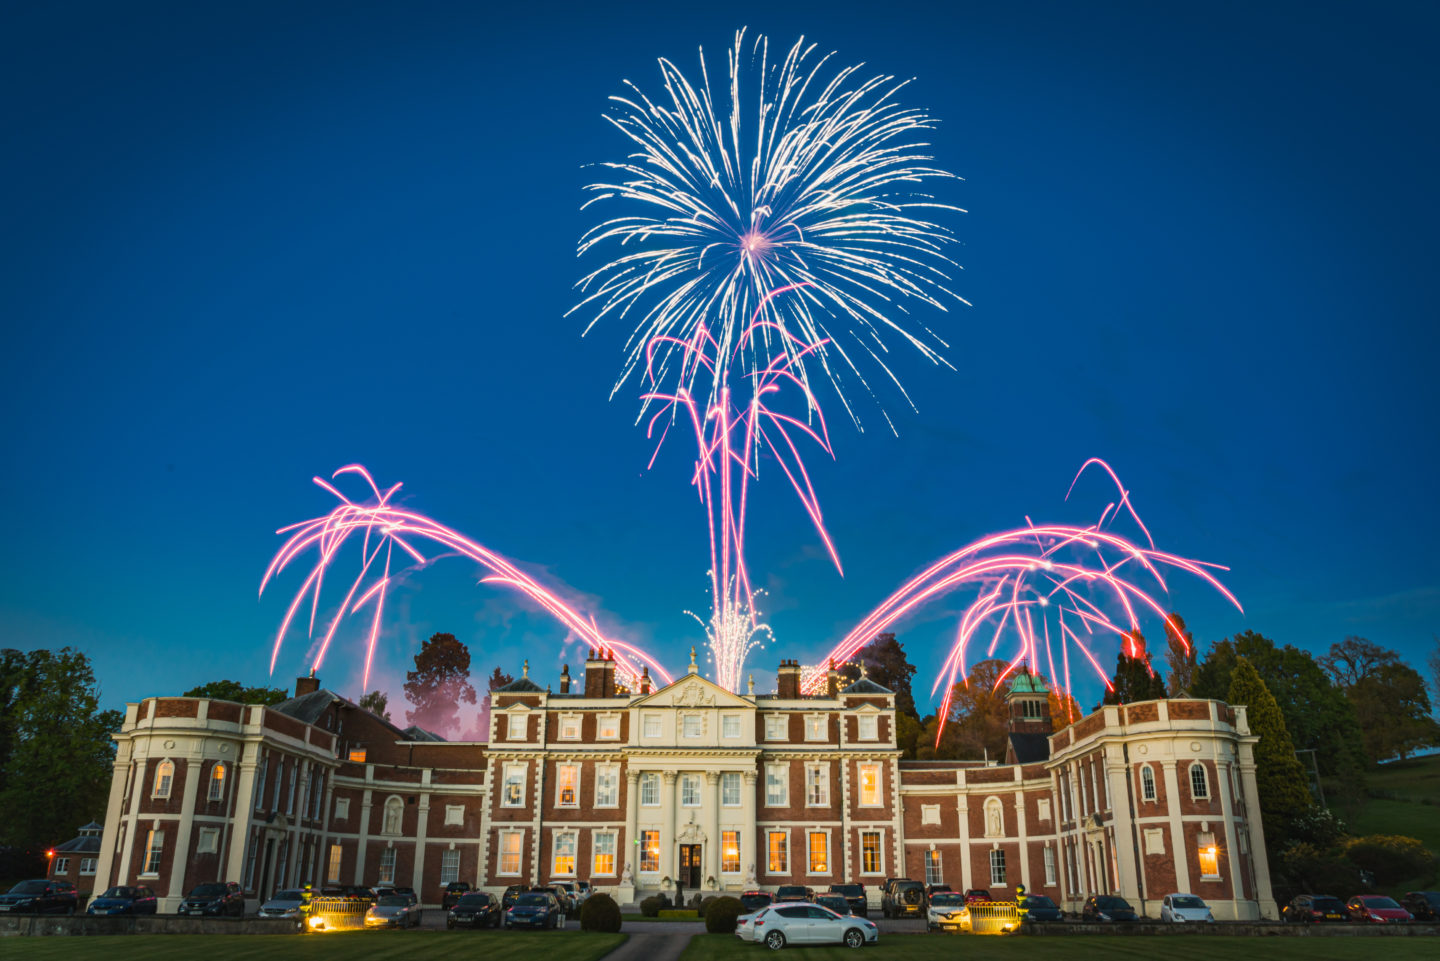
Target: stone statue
(994,826)
(625,876)
(750,881)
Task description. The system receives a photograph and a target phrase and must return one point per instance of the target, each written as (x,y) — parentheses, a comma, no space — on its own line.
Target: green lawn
(355,946)
(1411,782)
(1078,947)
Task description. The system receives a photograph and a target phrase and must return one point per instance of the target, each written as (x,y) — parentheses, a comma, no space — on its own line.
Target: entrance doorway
(690,866)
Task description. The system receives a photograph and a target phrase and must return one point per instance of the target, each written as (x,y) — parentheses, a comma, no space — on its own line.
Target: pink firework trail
(383,527)
(1040,587)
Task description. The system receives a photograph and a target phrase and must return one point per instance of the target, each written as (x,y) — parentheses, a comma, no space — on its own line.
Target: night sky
(250,243)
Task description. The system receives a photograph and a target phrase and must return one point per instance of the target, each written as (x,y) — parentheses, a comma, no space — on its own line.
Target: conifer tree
(1279,778)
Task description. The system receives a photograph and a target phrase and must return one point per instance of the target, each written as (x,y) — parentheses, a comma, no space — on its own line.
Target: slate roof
(1030,748)
(413,733)
(866,686)
(85,844)
(521,685)
(310,708)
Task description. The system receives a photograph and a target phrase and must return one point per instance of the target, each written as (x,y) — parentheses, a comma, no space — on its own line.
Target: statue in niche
(625,876)
(994,821)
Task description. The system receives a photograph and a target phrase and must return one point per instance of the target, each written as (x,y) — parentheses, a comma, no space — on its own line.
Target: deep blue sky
(248,243)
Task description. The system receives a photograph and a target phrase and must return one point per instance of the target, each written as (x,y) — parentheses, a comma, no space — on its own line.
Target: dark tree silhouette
(886,665)
(440,681)
(376,703)
(235,691)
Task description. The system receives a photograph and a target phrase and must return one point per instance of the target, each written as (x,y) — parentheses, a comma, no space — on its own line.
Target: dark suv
(854,895)
(793,892)
(512,894)
(903,898)
(1108,909)
(1423,905)
(216,899)
(40,897)
(454,891)
(1310,908)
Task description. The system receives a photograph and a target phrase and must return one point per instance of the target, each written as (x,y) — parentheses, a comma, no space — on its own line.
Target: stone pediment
(693,691)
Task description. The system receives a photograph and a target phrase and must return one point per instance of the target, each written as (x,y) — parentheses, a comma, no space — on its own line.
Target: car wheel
(854,938)
(774,940)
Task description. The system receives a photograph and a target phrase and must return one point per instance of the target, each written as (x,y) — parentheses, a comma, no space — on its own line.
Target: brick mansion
(685,782)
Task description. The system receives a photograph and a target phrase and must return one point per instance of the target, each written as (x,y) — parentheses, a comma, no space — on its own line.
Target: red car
(976,894)
(1377,908)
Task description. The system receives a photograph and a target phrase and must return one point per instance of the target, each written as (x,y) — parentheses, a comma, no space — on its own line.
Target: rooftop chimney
(599,675)
(788,680)
(307,685)
(832,681)
(565,679)
(645,680)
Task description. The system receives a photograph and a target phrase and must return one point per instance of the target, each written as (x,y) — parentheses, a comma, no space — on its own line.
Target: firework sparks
(384,527)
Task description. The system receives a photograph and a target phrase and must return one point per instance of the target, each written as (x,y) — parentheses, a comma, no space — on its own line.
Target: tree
(440,681)
(1135,679)
(908,731)
(58,754)
(1279,779)
(1064,709)
(1393,710)
(978,725)
(886,665)
(1179,656)
(239,693)
(499,679)
(1354,659)
(376,703)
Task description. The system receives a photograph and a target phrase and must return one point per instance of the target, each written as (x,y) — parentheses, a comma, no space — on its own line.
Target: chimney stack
(599,675)
(832,681)
(307,685)
(565,679)
(645,680)
(788,680)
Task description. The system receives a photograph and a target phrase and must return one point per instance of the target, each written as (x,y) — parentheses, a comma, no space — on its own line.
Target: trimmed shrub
(720,919)
(705,904)
(652,905)
(600,913)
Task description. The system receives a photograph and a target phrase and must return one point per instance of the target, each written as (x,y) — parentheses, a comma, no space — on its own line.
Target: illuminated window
(604,854)
(510,842)
(336,853)
(1147,783)
(566,795)
(394,816)
(691,725)
(775,725)
(1209,856)
(1050,866)
(1199,782)
(607,787)
(569,727)
(387,866)
(449,866)
(730,725)
(997,868)
(817,785)
(815,727)
(356,756)
(513,793)
(652,725)
(650,790)
(730,851)
(164,775)
(607,727)
(819,852)
(870,860)
(870,785)
(869,725)
(933,872)
(778,848)
(730,790)
(776,789)
(217,782)
(650,851)
(564,860)
(690,790)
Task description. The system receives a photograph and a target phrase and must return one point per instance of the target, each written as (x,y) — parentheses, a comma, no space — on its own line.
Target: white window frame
(686,725)
(690,790)
(816,728)
(730,787)
(164,779)
(879,799)
(607,727)
(645,850)
(934,867)
(730,726)
(1147,783)
(607,786)
(879,835)
(517,726)
(782,799)
(652,726)
(337,856)
(725,835)
(506,781)
(387,866)
(449,866)
(570,727)
(1200,846)
(810,835)
(997,868)
(650,788)
(784,868)
(154,853)
(396,805)
(87,867)
(518,854)
(260,783)
(216,791)
(1049,866)
(777,727)
(573,837)
(1204,793)
(598,841)
(867,727)
(817,785)
(455,815)
(574,785)
(61,866)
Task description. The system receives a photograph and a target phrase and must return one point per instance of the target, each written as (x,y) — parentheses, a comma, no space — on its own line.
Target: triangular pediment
(692,690)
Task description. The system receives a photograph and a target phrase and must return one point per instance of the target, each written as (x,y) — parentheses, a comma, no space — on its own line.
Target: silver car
(1184,907)
(800,923)
(285,904)
(395,911)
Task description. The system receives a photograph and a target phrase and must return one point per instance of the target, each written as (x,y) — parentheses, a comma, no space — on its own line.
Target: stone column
(628,851)
(1257,835)
(364,842)
(750,853)
(712,829)
(114,816)
(669,852)
(422,830)
(180,861)
(1124,840)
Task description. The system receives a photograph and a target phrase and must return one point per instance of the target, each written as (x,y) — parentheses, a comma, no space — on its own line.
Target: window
(154,847)
(342,808)
(569,727)
(217,782)
(869,727)
(279,783)
(604,854)
(208,841)
(730,725)
(817,785)
(929,814)
(870,786)
(775,727)
(513,793)
(776,793)
(650,790)
(454,815)
(356,755)
(61,866)
(777,845)
(870,860)
(1147,783)
(607,787)
(1050,866)
(510,852)
(294,783)
(333,872)
(260,784)
(394,816)
(164,774)
(652,725)
(87,866)
(691,725)
(566,792)
(690,790)
(607,727)
(317,797)
(994,818)
(387,866)
(1042,809)
(933,872)
(564,858)
(997,868)
(449,866)
(730,790)
(815,727)
(819,852)
(1199,782)
(515,727)
(650,851)
(1209,856)
(730,852)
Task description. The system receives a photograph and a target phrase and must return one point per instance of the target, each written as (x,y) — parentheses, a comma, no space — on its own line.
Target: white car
(791,923)
(1184,907)
(947,912)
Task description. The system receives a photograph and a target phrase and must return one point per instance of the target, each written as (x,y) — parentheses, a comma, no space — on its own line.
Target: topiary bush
(600,913)
(651,906)
(706,902)
(720,919)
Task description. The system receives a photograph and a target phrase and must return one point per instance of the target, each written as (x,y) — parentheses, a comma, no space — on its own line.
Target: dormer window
(691,725)
(515,727)
(869,727)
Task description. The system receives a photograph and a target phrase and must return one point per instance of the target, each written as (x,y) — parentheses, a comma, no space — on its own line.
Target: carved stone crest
(694,695)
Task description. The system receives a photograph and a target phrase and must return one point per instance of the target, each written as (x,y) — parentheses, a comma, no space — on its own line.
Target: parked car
(791,923)
(903,899)
(1184,907)
(454,891)
(793,892)
(947,911)
(512,894)
(124,899)
(1310,908)
(936,889)
(854,895)
(214,899)
(1422,905)
(534,909)
(285,904)
(562,898)
(352,892)
(393,911)
(753,901)
(833,902)
(1108,908)
(1377,908)
(1040,908)
(977,894)
(475,910)
(40,897)
(583,890)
